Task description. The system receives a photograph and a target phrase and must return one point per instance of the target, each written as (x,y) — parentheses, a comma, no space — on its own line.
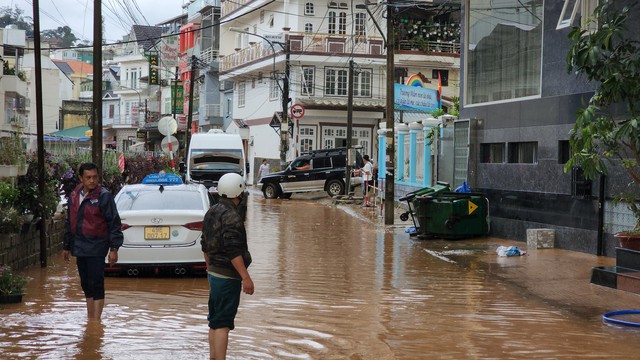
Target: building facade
(519,104)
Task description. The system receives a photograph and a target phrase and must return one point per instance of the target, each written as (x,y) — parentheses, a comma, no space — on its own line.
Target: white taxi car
(162,223)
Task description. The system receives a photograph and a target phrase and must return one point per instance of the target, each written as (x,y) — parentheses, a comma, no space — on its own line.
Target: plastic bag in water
(509,251)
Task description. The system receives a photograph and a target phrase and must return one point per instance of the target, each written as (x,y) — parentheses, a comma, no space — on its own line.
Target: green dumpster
(450,215)
(414,205)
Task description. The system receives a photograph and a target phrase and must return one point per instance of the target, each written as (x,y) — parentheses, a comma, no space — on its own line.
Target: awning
(78,133)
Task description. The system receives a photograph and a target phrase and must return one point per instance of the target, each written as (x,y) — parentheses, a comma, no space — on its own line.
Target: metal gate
(461,139)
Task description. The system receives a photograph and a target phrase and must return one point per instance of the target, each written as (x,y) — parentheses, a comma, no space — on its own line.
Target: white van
(212,155)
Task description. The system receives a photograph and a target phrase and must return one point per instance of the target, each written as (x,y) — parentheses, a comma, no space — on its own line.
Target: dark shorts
(224,299)
(367,184)
(91,270)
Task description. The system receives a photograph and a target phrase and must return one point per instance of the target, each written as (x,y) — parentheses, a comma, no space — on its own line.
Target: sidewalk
(560,278)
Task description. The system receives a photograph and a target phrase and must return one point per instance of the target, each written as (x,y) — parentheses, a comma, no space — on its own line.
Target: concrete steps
(624,276)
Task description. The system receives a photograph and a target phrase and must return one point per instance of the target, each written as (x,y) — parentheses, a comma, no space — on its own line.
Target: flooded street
(330,284)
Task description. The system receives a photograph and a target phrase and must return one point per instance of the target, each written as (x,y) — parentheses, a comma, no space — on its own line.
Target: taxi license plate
(156,233)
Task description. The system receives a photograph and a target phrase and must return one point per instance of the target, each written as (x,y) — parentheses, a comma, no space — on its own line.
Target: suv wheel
(335,188)
(270,191)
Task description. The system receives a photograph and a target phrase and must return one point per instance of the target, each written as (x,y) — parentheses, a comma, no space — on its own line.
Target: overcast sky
(78,14)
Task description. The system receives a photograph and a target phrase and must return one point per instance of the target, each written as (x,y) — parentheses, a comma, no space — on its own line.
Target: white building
(52,78)
(322,37)
(14,94)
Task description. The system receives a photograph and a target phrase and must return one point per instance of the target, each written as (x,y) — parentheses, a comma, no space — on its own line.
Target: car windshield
(224,159)
(156,200)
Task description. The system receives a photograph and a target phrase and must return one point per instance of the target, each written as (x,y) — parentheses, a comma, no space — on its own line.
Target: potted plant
(11,286)
(10,155)
(603,134)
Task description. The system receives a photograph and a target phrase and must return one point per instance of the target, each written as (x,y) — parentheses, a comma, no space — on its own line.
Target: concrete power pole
(284,126)
(347,175)
(96,138)
(389,202)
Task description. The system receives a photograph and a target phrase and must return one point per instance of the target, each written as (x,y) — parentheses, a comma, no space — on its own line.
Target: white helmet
(231,185)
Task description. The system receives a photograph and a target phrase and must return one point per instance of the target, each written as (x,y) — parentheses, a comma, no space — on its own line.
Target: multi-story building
(316,41)
(199,45)
(140,103)
(520,104)
(13,83)
(77,71)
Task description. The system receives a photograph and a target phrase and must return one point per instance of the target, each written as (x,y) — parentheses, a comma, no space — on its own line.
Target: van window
(223,159)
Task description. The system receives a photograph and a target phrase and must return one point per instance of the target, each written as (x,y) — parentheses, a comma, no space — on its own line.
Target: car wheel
(270,191)
(286,195)
(335,188)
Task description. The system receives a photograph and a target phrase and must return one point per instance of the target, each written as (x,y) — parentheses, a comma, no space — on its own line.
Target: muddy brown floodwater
(330,284)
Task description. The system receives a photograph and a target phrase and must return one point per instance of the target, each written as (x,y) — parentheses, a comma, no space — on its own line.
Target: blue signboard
(415,98)
(162,179)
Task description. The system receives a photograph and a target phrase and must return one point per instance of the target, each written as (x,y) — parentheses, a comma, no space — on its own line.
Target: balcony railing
(300,43)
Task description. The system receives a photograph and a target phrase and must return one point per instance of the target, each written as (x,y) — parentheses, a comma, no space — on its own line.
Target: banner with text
(415,98)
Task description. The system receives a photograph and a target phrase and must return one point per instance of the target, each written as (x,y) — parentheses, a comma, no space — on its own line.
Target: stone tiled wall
(23,249)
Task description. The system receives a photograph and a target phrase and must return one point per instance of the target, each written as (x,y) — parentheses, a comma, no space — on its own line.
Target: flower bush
(10,282)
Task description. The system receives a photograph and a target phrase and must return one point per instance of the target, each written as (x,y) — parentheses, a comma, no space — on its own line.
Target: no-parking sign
(297,111)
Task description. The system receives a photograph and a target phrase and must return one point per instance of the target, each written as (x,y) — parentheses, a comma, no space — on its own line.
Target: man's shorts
(224,299)
(91,270)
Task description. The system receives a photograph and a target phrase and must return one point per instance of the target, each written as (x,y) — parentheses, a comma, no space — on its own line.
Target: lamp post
(284,122)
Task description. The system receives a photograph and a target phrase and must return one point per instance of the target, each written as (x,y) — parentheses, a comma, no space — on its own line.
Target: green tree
(62,36)
(14,16)
(602,135)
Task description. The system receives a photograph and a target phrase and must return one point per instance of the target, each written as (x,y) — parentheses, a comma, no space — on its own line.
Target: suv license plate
(156,233)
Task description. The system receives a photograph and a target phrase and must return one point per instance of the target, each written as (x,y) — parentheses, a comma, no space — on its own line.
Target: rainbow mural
(416,81)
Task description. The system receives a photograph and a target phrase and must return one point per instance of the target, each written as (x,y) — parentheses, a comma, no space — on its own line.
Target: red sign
(297,111)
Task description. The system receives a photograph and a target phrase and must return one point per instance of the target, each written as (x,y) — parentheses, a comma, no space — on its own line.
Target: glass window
(343,23)
(492,153)
(335,82)
(242,94)
(361,29)
(274,90)
(588,21)
(332,22)
(308,80)
(322,163)
(224,159)
(308,28)
(504,47)
(169,199)
(362,84)
(309,9)
(568,13)
(523,152)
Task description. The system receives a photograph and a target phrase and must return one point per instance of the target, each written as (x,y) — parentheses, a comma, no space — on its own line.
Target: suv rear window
(322,163)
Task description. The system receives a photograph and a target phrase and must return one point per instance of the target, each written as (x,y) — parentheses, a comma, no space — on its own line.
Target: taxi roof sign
(162,178)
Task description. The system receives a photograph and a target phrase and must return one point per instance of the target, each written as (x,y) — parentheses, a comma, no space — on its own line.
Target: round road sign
(170,140)
(167,125)
(297,111)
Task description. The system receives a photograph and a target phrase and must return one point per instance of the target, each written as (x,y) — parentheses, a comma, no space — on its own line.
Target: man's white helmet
(231,185)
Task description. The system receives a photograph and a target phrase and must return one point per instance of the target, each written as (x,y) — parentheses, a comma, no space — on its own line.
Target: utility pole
(96,138)
(40,130)
(389,201)
(174,94)
(347,174)
(284,126)
(192,78)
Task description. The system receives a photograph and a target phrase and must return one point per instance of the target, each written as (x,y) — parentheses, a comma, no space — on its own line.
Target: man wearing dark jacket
(92,231)
(224,244)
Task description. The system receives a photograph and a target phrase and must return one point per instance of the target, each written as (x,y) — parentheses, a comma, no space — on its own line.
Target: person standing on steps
(92,230)
(226,253)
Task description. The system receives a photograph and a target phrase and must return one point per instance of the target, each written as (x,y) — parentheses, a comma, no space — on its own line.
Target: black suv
(318,170)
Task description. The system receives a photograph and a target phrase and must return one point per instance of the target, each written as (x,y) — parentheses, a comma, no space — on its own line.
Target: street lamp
(284,122)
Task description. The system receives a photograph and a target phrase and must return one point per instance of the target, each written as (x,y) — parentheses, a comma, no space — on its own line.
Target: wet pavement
(333,283)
